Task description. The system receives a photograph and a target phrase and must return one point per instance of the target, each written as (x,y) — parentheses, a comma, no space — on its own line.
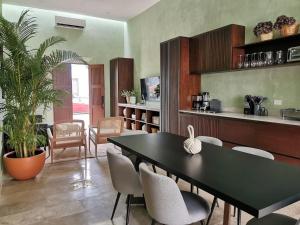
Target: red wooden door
(97,100)
(62,80)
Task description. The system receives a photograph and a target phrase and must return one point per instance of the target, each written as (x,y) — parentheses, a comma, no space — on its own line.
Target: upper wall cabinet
(212,51)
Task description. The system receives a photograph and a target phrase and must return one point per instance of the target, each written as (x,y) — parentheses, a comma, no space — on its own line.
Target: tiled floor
(54,198)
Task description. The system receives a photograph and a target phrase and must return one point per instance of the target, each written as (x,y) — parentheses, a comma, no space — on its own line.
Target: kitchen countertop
(140,106)
(268,119)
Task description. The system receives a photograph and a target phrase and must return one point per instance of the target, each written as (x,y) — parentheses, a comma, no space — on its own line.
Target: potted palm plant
(26,83)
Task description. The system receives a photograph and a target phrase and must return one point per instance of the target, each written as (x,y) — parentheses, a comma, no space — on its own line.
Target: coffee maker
(201,101)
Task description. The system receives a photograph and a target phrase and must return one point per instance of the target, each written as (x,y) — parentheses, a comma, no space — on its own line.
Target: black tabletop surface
(256,185)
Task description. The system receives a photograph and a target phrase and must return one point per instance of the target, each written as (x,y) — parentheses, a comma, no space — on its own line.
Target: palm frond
(47,44)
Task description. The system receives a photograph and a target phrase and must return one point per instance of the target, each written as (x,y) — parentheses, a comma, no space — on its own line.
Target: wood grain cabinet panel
(121,78)
(212,51)
(279,138)
(237,131)
(203,126)
(177,85)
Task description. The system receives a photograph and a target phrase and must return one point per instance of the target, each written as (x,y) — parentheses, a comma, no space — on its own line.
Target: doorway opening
(80,92)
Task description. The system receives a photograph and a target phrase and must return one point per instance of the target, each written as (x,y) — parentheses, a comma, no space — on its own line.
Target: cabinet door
(208,126)
(184,121)
(199,49)
(174,73)
(219,54)
(113,88)
(164,93)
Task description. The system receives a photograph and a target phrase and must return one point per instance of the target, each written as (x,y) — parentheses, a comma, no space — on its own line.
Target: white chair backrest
(254,151)
(163,198)
(210,140)
(124,177)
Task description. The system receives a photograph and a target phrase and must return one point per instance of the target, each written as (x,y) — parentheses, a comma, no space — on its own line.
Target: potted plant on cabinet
(26,86)
(264,30)
(132,98)
(286,25)
(126,94)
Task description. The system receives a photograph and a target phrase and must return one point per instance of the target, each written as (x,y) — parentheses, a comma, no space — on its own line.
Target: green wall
(171,18)
(99,42)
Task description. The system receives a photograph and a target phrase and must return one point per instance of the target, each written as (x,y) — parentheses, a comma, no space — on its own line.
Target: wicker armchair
(67,135)
(107,127)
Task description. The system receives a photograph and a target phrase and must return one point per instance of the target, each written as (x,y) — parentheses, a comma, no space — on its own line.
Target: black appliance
(201,101)
(253,105)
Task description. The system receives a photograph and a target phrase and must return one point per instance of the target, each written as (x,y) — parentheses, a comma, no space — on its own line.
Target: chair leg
(96,151)
(168,174)
(197,191)
(79,152)
(115,206)
(89,144)
(239,217)
(154,169)
(192,188)
(218,204)
(234,211)
(128,209)
(212,210)
(85,151)
(153,222)
(51,153)
(177,179)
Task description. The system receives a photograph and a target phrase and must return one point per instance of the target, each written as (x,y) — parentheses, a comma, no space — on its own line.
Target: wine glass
(269,60)
(241,61)
(253,60)
(260,61)
(247,61)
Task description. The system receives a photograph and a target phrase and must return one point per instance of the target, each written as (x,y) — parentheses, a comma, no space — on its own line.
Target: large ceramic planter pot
(24,168)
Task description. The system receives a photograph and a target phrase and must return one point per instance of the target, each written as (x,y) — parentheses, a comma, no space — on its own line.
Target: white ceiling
(109,9)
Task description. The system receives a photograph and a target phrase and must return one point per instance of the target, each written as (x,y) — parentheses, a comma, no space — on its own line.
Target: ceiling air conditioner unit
(71,23)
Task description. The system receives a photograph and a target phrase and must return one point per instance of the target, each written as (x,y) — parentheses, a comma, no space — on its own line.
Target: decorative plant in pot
(264,30)
(26,83)
(129,95)
(286,25)
(126,94)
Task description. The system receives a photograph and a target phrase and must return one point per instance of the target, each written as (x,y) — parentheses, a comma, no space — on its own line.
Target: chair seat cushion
(197,206)
(273,219)
(68,143)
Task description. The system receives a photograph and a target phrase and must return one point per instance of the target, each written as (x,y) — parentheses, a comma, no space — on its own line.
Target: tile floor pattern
(54,198)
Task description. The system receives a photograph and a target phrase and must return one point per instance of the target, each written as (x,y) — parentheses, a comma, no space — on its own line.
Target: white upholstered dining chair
(256,152)
(166,204)
(124,178)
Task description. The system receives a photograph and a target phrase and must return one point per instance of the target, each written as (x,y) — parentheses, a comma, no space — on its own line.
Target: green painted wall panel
(170,18)
(99,42)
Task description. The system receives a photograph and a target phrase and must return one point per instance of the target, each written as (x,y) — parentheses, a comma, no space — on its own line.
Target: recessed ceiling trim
(121,10)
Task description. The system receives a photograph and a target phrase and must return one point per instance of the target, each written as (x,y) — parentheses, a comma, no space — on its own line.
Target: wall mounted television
(150,88)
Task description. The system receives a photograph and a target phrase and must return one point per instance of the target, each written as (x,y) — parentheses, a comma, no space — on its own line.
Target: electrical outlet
(277,102)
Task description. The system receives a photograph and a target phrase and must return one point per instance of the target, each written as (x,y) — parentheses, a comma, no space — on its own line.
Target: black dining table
(253,184)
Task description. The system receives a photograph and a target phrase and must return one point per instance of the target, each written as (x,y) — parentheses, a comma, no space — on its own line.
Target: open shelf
(274,45)
(143,117)
(291,38)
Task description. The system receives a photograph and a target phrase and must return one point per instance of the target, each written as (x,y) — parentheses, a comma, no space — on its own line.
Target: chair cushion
(197,206)
(273,219)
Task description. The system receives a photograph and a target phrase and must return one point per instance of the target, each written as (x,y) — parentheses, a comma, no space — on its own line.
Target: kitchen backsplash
(275,84)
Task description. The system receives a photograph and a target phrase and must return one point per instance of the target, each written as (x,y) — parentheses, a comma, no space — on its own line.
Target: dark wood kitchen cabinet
(213,51)
(177,85)
(203,125)
(281,140)
(121,78)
